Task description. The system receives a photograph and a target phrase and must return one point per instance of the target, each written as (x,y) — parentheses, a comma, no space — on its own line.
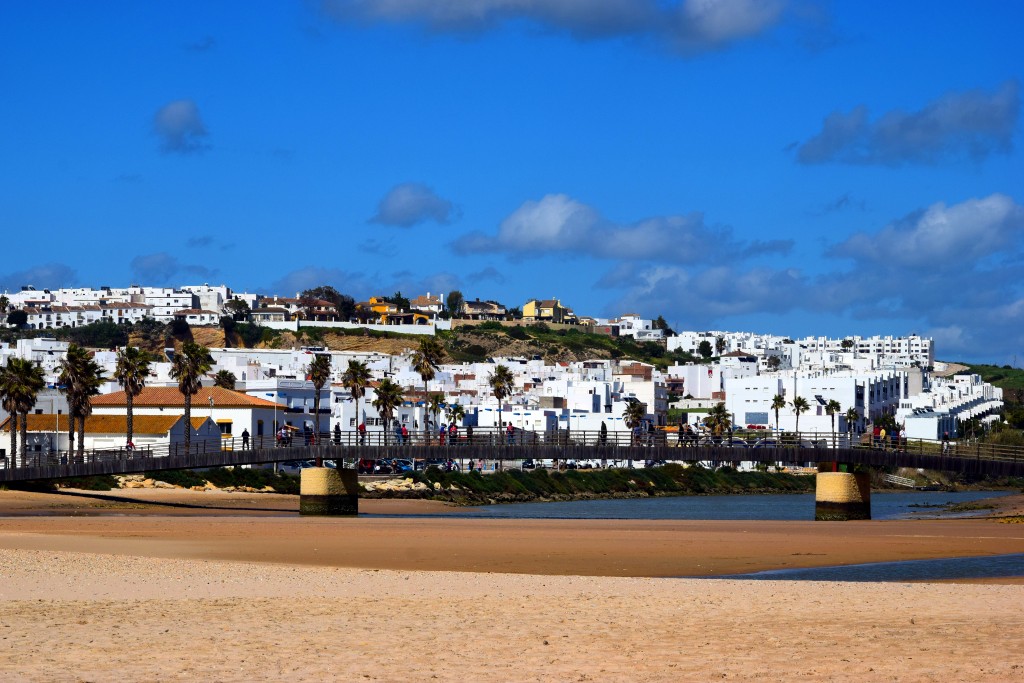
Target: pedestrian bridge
(494,449)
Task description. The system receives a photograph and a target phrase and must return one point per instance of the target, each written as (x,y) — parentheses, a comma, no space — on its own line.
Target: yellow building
(547,310)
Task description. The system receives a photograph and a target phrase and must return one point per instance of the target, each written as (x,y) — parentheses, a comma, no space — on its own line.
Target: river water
(910,505)
(768,507)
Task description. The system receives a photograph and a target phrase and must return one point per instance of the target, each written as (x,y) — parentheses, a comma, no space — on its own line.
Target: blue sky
(782,166)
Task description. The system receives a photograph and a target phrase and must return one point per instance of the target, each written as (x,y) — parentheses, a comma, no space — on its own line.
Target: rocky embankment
(141,481)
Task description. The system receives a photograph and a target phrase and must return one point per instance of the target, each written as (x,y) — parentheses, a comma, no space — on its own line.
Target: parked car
(766,443)
(294,467)
(429,462)
(400,466)
(366,466)
(529,464)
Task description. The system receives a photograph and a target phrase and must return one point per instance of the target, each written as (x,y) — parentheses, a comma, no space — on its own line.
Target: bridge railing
(377,442)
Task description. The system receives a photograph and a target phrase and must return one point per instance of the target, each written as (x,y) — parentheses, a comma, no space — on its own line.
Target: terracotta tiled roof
(170,397)
(106,424)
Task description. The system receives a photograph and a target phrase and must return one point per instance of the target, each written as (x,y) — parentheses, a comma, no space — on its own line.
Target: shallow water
(911,570)
(766,507)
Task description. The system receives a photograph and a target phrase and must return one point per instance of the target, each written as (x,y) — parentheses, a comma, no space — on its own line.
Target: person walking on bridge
(245,439)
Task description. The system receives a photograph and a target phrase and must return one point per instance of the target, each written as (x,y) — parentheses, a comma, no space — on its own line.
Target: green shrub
(99,482)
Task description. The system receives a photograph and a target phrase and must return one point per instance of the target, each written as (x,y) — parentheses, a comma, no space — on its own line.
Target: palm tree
(131,372)
(355,379)
(24,381)
(8,400)
(799,406)
(833,407)
(20,382)
(188,367)
(634,415)
(388,397)
(424,362)
(435,404)
(502,383)
(720,345)
(455,412)
(319,372)
(851,419)
(225,379)
(718,419)
(81,378)
(778,403)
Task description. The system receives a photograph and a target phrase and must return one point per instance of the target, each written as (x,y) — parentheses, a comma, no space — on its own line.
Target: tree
(180,328)
(720,345)
(704,349)
(131,372)
(21,381)
(80,378)
(718,420)
(851,420)
(455,413)
(434,406)
(8,400)
(356,378)
(20,384)
(225,379)
(514,313)
(424,362)
(388,397)
(344,305)
(454,303)
(4,303)
(634,416)
(188,367)
(774,362)
(398,300)
(799,405)
(17,318)
(847,344)
(778,403)
(227,323)
(833,407)
(502,384)
(238,309)
(319,371)
(661,324)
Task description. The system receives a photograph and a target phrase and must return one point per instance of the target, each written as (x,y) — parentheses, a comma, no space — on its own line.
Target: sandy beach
(139,589)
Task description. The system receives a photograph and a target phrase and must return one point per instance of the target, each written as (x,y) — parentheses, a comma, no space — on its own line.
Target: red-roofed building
(232,411)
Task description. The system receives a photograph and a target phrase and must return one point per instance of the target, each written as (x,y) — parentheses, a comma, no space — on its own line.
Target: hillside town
(817,385)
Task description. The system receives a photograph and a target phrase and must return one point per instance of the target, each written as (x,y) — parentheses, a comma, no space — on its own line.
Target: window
(225,427)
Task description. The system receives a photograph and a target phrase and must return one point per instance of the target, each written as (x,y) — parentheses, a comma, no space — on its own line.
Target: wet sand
(246,590)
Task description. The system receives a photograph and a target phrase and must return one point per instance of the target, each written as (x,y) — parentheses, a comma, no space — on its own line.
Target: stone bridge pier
(329,491)
(841,495)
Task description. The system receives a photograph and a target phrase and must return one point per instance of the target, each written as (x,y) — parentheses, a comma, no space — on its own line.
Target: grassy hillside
(463,344)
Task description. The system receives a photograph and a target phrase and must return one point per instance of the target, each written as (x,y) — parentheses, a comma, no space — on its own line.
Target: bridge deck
(205,454)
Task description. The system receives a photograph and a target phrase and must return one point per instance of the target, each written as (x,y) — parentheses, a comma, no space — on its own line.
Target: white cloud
(180,128)
(407,204)
(161,268)
(690,25)
(558,223)
(972,125)
(941,236)
(43,276)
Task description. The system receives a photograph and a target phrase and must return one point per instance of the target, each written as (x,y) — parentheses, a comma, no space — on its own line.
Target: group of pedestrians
(897,440)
